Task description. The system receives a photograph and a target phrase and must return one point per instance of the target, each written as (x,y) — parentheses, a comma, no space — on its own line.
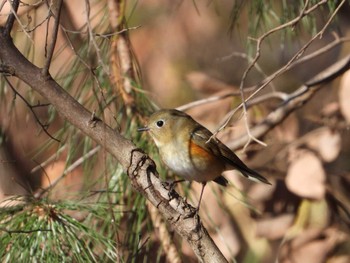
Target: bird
(192,152)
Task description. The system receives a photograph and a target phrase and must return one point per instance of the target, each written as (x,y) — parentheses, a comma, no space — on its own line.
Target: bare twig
(35,4)
(93,73)
(337,41)
(2,4)
(249,60)
(31,108)
(75,52)
(278,72)
(257,56)
(11,18)
(206,100)
(106,36)
(48,161)
(39,24)
(294,101)
(68,170)
(92,39)
(55,11)
(301,14)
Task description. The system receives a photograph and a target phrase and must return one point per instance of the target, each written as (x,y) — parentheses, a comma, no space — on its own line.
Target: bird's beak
(143,129)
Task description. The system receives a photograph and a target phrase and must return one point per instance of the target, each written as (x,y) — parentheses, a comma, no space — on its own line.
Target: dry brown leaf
(312,252)
(274,228)
(344,95)
(288,130)
(306,176)
(312,246)
(327,143)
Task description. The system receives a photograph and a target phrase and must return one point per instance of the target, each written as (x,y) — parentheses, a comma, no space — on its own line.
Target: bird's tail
(221,181)
(254,176)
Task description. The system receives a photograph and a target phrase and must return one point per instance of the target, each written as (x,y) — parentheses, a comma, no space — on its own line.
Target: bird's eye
(160,123)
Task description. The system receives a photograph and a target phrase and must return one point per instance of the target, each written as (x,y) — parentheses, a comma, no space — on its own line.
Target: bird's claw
(170,186)
(193,213)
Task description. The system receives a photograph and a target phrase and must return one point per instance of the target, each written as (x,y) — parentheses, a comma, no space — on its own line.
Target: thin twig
(254,61)
(278,72)
(301,14)
(92,71)
(48,161)
(51,47)
(92,38)
(2,5)
(249,60)
(338,40)
(43,126)
(39,24)
(11,18)
(206,100)
(294,101)
(38,3)
(69,169)
(106,36)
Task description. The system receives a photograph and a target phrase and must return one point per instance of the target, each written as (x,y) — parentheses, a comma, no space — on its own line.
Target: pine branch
(139,167)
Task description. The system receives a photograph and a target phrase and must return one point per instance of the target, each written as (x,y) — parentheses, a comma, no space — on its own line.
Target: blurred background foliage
(68,200)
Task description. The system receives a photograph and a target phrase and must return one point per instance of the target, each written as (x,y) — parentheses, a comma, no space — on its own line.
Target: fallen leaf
(313,251)
(306,176)
(312,246)
(274,228)
(288,130)
(327,143)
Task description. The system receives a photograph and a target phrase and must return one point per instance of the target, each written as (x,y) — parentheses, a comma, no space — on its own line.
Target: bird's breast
(191,161)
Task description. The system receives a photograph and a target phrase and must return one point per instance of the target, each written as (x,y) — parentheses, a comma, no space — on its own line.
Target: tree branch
(139,167)
(31,108)
(55,10)
(337,41)
(294,101)
(259,41)
(11,18)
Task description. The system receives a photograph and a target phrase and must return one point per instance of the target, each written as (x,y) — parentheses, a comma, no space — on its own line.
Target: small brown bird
(186,148)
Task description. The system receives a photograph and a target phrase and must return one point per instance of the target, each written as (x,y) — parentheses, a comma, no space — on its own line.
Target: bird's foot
(170,186)
(193,213)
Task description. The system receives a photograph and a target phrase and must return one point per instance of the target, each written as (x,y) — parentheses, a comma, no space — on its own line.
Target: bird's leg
(200,197)
(170,185)
(196,211)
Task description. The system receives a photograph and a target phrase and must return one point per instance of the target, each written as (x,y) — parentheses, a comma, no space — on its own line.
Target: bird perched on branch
(190,150)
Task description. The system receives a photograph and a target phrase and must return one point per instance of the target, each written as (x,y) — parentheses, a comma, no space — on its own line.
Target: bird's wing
(201,134)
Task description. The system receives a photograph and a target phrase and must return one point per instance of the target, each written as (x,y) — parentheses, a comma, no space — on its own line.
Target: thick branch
(138,166)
